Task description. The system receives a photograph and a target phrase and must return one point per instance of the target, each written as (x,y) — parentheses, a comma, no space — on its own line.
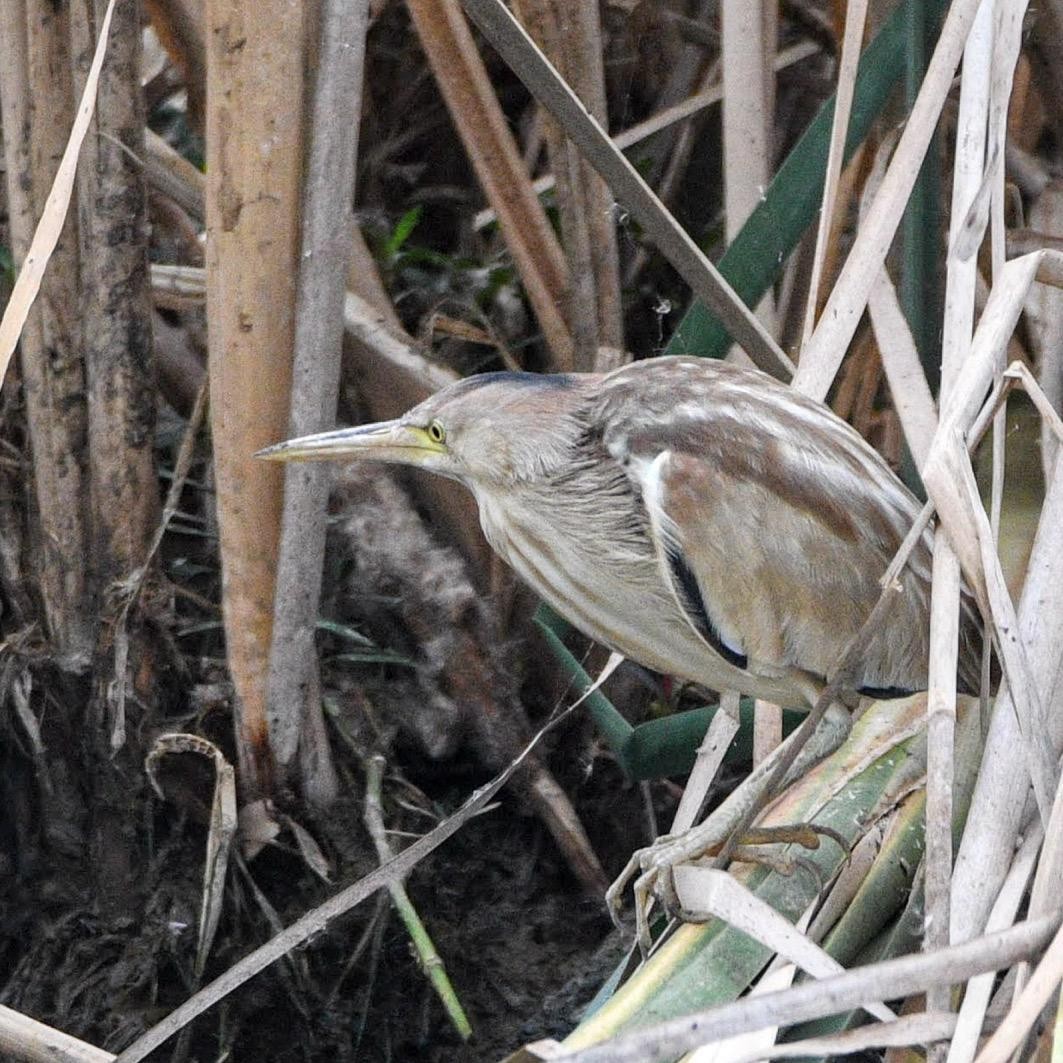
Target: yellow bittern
(702,519)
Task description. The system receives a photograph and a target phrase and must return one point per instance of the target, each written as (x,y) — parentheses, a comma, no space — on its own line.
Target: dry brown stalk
(38,109)
(254,151)
(116,298)
(570,35)
(478,118)
(179,25)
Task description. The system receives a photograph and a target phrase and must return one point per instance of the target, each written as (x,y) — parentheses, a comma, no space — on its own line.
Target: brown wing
(774,520)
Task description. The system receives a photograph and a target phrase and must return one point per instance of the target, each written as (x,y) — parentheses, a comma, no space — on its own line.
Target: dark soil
(525,947)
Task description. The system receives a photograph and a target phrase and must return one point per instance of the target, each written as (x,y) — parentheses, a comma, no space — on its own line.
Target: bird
(698,517)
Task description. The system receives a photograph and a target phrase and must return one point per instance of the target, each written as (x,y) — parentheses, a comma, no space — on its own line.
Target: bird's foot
(651,869)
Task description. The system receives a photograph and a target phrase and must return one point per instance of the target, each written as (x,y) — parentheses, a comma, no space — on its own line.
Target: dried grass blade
(220,835)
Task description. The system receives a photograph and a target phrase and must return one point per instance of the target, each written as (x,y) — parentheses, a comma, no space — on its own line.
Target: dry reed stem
(514,45)
(23,1038)
(748,38)
(909,390)
(38,110)
(855,18)
(174,176)
(179,27)
(293,703)
(845,306)
(254,173)
(459,71)
(1044,316)
(969,157)
(570,34)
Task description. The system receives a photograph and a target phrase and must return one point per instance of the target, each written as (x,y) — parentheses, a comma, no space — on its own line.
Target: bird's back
(773,519)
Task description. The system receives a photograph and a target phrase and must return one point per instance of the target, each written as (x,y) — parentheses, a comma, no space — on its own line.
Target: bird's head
(490,430)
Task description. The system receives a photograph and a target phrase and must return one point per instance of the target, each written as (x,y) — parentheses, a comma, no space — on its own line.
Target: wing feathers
(776,513)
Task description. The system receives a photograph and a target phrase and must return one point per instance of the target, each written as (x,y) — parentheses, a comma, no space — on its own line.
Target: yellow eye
(436,432)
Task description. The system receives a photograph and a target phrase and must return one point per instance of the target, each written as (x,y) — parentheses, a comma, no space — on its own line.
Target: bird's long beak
(386,441)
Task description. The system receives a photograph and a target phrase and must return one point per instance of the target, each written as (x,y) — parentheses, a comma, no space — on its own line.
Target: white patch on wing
(650,476)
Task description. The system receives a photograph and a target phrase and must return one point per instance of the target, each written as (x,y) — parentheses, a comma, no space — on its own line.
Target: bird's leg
(656,862)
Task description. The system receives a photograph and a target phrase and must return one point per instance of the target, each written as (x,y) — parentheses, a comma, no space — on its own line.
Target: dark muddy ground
(524,945)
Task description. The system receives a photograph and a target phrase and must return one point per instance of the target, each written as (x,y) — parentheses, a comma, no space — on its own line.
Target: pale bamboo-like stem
(855,18)
(945,590)
(823,353)
(749,29)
